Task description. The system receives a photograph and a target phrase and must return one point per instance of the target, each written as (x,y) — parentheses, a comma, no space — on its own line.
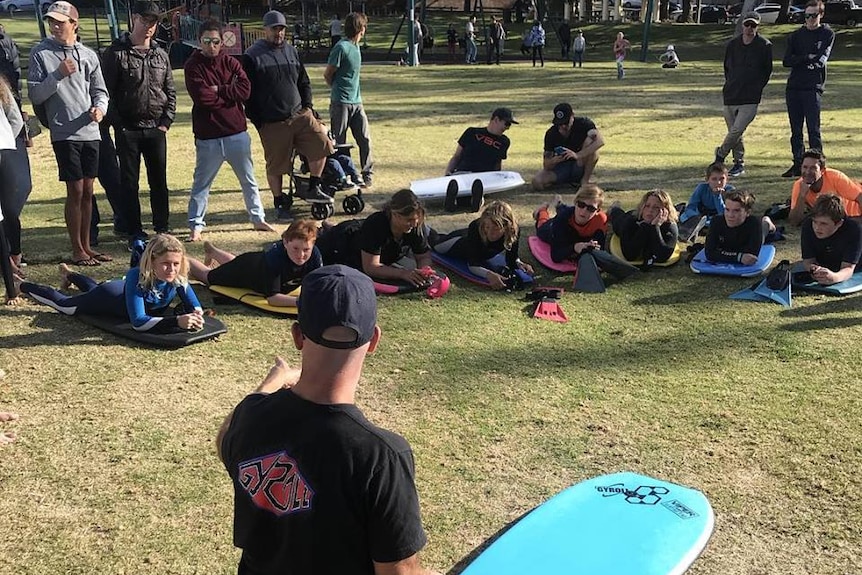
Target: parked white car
(16,5)
(769,13)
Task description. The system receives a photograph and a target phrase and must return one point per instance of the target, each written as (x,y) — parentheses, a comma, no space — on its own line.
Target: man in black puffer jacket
(143,104)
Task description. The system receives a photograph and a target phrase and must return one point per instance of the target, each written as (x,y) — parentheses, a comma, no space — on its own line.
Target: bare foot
(65,270)
(263,227)
(195,236)
(6,416)
(208,254)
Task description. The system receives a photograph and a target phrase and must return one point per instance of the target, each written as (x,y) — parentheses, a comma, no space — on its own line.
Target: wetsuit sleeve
(474,249)
(668,233)
(189,298)
(373,234)
(512,253)
(563,246)
(136,307)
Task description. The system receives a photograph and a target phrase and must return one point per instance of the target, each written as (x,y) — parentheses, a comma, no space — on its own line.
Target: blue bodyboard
(461,268)
(853,285)
(620,524)
(700,265)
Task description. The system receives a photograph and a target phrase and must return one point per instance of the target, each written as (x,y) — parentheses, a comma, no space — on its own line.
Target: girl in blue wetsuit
(494,232)
(146,292)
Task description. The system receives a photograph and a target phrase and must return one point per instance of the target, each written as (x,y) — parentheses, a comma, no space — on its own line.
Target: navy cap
(337,296)
(274,18)
(562,113)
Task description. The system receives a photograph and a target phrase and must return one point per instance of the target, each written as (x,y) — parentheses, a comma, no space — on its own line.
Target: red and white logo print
(275,484)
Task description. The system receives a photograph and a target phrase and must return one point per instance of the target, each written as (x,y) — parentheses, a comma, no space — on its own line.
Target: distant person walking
(579,45)
(470,39)
(621,46)
(336,29)
(452,42)
(498,34)
(808,50)
(747,69)
(537,42)
(565,34)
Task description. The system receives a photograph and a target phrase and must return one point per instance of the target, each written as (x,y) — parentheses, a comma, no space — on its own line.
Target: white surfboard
(492,182)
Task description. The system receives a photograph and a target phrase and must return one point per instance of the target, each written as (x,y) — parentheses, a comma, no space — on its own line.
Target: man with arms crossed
(807,52)
(66,80)
(747,68)
(317,487)
(345,107)
(571,150)
(818,179)
(218,86)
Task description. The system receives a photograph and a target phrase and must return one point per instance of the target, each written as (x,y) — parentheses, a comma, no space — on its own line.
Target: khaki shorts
(303,132)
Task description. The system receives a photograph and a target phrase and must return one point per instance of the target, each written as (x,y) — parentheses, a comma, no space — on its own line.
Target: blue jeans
(803,107)
(210,155)
(471,50)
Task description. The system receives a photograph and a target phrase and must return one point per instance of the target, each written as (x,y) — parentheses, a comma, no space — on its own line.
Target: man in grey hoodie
(65,84)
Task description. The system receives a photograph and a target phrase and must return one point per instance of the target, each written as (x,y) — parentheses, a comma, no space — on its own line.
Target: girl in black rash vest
(385,244)
(650,232)
(493,232)
(736,236)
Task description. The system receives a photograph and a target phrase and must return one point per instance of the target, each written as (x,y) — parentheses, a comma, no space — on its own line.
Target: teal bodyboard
(619,524)
(852,285)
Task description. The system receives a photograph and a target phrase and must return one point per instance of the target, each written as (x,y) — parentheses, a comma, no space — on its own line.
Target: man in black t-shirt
(317,487)
(570,151)
(831,242)
(483,149)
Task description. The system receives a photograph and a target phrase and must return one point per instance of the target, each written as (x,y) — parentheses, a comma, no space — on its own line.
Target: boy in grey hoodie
(65,84)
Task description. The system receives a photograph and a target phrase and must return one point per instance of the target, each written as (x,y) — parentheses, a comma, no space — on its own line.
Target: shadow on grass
(822,324)
(835,304)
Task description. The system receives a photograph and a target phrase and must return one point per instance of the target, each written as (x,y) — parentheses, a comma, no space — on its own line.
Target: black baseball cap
(562,113)
(504,114)
(337,296)
(143,8)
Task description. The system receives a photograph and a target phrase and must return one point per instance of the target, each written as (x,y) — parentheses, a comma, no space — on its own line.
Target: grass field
(114,470)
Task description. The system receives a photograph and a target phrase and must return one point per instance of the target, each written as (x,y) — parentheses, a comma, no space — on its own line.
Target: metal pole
(412,54)
(647,24)
(38,12)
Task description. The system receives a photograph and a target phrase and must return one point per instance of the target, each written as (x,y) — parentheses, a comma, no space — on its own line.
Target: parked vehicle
(844,12)
(709,14)
(21,5)
(769,13)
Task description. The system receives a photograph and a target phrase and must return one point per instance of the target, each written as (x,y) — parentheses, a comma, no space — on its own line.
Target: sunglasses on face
(508,124)
(810,15)
(750,24)
(585,206)
(213,41)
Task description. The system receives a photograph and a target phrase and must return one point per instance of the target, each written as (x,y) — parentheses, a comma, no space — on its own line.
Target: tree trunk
(784,13)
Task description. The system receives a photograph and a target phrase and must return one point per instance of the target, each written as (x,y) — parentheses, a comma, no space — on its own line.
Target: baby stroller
(330,182)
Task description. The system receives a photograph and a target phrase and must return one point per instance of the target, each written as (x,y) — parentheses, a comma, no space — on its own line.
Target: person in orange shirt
(818,179)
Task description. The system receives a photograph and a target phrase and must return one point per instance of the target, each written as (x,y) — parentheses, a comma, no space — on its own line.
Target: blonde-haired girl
(142,297)
(650,232)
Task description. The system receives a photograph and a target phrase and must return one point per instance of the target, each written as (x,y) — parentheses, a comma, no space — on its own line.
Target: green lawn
(114,470)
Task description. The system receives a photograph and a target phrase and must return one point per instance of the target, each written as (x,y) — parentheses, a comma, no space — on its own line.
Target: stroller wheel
(353,204)
(321,211)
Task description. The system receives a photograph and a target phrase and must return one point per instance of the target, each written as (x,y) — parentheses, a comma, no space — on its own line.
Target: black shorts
(77,160)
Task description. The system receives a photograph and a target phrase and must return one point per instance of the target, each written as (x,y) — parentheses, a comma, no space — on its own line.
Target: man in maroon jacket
(218,87)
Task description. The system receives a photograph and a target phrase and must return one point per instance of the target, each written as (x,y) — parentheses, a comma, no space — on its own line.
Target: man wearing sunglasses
(747,68)
(808,50)
(218,86)
(571,150)
(143,105)
(480,150)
